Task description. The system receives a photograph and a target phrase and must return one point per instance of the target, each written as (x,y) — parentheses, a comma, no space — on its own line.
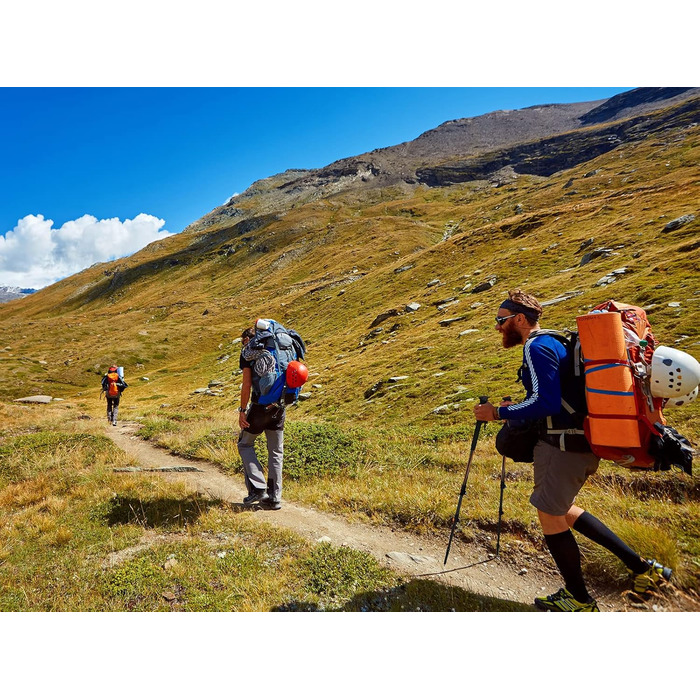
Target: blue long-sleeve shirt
(543,359)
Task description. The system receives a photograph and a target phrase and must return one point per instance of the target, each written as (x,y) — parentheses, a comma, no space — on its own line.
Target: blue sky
(96,173)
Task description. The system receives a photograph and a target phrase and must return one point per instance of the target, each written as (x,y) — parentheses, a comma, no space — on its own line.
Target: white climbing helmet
(674,373)
(682,400)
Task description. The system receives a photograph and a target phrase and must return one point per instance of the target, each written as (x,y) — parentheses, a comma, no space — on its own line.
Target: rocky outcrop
(550,155)
(680,221)
(627,103)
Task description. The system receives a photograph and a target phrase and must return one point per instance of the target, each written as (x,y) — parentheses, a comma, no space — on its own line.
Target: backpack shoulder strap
(299,344)
(561,336)
(570,340)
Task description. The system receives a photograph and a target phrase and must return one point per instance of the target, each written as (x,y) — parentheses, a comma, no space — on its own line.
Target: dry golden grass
(75,535)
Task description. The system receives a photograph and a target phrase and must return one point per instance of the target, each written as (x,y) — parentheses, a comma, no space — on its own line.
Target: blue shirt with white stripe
(543,358)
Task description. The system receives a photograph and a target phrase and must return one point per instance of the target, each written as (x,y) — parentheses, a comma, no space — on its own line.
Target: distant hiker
(112,385)
(272,376)
(559,471)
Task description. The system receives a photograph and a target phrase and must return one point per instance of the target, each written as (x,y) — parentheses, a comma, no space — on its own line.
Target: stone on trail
(399,557)
(407,559)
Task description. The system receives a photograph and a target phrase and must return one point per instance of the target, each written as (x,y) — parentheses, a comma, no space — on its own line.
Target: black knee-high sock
(589,526)
(567,557)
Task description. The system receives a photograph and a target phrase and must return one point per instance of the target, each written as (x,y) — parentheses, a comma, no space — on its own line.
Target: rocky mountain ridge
(501,139)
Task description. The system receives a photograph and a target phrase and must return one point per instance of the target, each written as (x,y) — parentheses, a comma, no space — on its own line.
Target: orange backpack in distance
(112,386)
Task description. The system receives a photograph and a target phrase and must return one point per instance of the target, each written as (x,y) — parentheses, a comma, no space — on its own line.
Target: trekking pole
(500,504)
(477,429)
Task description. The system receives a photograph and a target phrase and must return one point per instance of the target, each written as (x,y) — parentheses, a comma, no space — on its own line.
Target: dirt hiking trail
(514,577)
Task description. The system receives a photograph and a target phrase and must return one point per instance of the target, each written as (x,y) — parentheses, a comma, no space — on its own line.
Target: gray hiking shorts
(559,477)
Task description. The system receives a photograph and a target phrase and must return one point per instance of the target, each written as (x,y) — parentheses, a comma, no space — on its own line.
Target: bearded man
(563,460)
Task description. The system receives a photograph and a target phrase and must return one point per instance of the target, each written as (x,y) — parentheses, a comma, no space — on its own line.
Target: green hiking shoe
(563,601)
(649,580)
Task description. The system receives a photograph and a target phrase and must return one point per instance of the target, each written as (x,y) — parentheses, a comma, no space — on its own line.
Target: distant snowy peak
(10,293)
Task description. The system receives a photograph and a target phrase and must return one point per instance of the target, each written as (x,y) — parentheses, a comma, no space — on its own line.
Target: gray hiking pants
(112,408)
(254,476)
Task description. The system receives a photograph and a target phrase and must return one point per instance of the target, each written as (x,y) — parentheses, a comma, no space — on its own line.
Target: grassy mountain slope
(331,266)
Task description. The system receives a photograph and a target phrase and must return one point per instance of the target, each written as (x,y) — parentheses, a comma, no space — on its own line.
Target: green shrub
(310,449)
(318,449)
(134,577)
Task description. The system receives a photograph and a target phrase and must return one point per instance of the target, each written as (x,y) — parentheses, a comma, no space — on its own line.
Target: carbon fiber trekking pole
(500,504)
(477,430)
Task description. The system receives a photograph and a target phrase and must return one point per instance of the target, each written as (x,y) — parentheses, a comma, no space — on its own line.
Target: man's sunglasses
(500,320)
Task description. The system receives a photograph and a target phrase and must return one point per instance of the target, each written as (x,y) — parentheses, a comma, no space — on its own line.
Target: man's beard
(510,337)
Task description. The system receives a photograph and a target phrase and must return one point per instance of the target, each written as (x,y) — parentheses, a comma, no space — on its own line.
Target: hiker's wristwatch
(241,410)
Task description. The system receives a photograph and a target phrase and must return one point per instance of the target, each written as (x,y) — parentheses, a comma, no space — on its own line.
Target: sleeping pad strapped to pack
(625,423)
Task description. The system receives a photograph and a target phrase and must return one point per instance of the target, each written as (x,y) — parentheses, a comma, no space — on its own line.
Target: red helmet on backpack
(297,374)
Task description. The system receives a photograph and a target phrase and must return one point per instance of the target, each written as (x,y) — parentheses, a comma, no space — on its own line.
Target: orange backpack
(112,386)
(617,345)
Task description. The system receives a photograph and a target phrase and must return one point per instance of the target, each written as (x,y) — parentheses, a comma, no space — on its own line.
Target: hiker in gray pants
(253,421)
(254,476)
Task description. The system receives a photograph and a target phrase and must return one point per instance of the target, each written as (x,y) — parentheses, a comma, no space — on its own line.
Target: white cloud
(35,254)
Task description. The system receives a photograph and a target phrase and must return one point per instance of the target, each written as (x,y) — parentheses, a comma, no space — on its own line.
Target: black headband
(530,313)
